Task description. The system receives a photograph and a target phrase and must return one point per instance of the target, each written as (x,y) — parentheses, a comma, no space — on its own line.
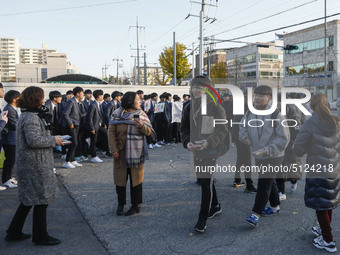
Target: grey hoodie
(274,140)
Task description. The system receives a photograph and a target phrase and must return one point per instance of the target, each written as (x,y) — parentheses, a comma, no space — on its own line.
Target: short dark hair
(128,99)
(69,92)
(1,86)
(106,95)
(31,98)
(154,94)
(10,95)
(88,91)
(97,93)
(176,98)
(139,92)
(77,90)
(146,97)
(53,94)
(263,90)
(115,94)
(121,94)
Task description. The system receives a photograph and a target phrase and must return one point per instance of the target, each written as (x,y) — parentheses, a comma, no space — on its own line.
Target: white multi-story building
(35,56)
(9,57)
(154,75)
(255,64)
(304,67)
(56,64)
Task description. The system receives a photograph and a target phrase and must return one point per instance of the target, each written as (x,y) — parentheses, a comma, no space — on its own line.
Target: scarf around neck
(136,145)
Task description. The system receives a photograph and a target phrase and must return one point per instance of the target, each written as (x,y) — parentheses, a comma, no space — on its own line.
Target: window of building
(309,69)
(43,74)
(312,45)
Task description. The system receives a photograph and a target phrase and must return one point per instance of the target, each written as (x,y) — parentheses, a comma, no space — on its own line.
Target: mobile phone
(67,142)
(198,142)
(4,113)
(136,116)
(65,137)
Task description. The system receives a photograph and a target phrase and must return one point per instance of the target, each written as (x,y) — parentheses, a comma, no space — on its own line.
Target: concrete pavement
(168,215)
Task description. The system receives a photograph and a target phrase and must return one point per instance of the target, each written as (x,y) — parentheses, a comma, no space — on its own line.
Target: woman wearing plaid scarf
(128,128)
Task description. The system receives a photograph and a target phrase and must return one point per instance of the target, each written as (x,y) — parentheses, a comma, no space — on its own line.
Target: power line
(166,32)
(67,8)
(280,28)
(270,16)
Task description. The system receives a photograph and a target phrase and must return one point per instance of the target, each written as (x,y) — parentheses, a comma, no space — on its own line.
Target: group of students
(273,146)
(124,126)
(85,116)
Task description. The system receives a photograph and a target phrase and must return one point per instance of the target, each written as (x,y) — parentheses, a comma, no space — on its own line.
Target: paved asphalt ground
(84,216)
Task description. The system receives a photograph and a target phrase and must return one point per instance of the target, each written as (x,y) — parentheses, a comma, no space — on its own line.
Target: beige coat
(117,143)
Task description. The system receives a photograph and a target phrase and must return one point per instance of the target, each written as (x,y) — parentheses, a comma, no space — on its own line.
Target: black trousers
(206,181)
(266,186)
(102,139)
(8,163)
(136,192)
(243,159)
(39,230)
(82,148)
(176,131)
(73,146)
(209,196)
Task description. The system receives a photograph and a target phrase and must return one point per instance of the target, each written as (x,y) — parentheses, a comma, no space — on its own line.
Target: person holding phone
(207,144)
(38,185)
(127,133)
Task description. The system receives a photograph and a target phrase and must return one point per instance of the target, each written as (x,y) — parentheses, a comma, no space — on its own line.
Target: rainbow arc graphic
(209,93)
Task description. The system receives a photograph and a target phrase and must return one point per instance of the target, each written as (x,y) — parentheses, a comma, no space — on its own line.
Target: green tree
(166,60)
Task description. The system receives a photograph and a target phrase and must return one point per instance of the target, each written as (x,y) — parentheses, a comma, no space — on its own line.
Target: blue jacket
(9,131)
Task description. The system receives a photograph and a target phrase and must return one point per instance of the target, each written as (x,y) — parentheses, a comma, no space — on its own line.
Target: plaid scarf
(136,145)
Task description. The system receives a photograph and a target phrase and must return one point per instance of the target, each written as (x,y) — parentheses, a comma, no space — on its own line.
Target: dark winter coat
(322,145)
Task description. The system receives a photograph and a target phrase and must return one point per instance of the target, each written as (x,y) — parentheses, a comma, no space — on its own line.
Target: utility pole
(117,59)
(325,80)
(200,61)
(201,23)
(208,61)
(134,74)
(145,70)
(193,61)
(104,70)
(174,51)
(138,66)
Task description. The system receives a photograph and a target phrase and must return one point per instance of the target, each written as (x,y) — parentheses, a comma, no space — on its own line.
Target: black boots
(120,210)
(133,210)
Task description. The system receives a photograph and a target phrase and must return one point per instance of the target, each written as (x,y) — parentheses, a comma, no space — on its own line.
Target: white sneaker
(150,146)
(14,181)
(282,196)
(156,145)
(54,170)
(322,244)
(76,164)
(2,188)
(161,143)
(96,160)
(293,187)
(63,156)
(68,165)
(10,185)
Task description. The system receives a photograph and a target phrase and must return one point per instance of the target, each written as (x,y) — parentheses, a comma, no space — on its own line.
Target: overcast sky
(91,36)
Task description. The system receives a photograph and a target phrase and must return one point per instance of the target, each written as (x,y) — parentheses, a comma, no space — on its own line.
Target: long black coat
(322,146)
